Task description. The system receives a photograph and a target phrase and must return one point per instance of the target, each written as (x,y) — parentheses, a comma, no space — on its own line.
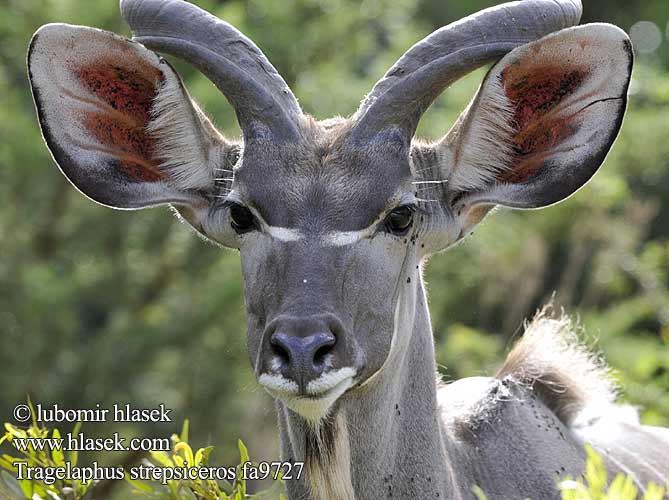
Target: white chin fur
(316,409)
(321,392)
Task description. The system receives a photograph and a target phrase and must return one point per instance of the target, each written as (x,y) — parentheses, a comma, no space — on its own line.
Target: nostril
(301,355)
(280,352)
(321,352)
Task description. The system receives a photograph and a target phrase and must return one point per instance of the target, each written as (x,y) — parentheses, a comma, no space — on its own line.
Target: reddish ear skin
(125,97)
(536,94)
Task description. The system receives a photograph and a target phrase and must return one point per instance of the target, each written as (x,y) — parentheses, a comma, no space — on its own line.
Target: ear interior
(95,94)
(549,104)
(116,113)
(543,120)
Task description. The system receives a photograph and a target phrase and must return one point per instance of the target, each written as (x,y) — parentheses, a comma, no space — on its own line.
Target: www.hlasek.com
(123,413)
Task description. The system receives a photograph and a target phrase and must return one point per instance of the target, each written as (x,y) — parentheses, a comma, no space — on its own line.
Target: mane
(570,379)
(328,459)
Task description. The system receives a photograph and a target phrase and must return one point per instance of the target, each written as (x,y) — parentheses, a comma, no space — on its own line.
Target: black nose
(301,348)
(302,356)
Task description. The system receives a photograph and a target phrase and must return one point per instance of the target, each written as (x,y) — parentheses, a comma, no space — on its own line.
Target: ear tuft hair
(486,146)
(187,145)
(572,381)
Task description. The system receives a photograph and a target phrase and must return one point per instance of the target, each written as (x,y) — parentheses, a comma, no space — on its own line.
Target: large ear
(541,124)
(118,121)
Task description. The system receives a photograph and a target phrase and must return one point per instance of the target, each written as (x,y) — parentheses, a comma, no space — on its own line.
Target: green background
(103,306)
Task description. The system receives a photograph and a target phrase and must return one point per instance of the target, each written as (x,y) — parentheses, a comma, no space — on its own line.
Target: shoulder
(548,369)
(505,440)
(472,407)
(468,402)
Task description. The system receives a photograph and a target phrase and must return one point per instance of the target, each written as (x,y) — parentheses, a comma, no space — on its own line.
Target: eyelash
(399,220)
(242,219)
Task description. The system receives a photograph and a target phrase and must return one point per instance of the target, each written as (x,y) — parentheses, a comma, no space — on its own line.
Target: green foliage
(181,456)
(11,487)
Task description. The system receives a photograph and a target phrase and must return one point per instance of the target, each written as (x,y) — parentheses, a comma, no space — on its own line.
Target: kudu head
(332,219)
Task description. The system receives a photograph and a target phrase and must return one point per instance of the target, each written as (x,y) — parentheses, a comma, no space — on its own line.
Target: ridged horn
(426,69)
(226,56)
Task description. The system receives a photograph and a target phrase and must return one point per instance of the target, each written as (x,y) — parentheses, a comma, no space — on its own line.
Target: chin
(315,403)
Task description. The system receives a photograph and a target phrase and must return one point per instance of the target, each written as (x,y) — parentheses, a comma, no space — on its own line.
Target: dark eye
(400,219)
(241,219)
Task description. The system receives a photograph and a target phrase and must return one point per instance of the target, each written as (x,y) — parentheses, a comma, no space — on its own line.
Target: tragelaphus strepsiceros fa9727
(334,219)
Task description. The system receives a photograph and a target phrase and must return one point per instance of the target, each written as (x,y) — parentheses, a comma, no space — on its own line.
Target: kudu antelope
(334,219)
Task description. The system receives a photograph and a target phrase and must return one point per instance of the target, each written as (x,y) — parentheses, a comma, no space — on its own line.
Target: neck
(385,439)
